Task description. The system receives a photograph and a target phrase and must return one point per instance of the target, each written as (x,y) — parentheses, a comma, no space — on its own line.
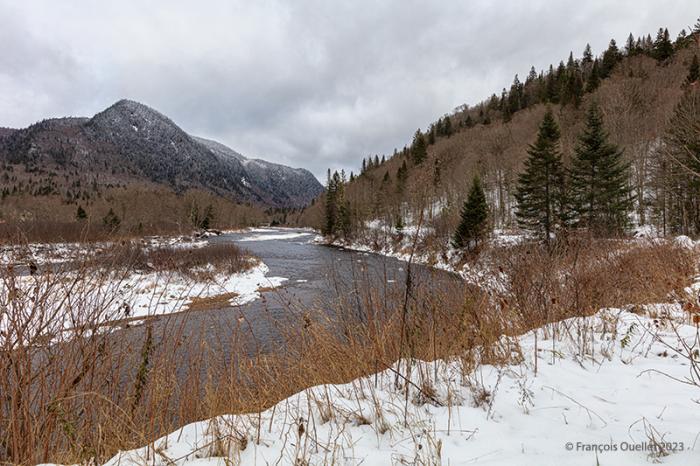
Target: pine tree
(419,150)
(472,226)
(80,214)
(540,191)
(693,71)
(599,190)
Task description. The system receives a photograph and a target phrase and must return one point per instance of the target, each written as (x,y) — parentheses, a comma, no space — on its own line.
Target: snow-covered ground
(60,307)
(612,389)
(61,303)
(59,253)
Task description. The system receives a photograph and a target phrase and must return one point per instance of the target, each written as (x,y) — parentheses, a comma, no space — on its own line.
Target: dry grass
(88,397)
(211,302)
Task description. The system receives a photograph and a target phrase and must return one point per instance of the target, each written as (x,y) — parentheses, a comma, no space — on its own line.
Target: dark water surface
(318,278)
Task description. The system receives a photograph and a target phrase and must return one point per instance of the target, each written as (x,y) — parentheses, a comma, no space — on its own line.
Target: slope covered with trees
(620,130)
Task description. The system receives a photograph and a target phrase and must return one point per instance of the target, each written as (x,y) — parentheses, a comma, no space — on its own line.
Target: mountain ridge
(129,141)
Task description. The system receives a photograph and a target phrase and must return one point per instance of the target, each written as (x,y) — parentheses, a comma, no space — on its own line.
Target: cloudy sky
(312,84)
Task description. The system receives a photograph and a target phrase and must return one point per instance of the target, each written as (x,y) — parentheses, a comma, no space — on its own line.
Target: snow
(613,395)
(278,236)
(135,295)
(157,294)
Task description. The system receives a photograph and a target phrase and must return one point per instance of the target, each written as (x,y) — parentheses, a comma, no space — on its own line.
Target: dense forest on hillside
(647,100)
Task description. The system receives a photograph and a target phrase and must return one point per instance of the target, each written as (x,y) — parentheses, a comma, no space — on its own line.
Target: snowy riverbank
(615,388)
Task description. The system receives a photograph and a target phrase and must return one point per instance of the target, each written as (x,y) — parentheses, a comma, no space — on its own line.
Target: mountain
(280,181)
(130,142)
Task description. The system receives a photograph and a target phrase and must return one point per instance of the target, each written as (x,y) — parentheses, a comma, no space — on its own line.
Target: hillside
(637,95)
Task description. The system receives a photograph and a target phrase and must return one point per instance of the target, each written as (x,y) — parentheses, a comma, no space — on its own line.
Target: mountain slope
(130,142)
(637,96)
(294,186)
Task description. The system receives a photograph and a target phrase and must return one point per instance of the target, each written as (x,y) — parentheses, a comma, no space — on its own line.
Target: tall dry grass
(88,395)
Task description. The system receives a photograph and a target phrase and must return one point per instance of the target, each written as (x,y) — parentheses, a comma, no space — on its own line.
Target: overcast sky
(311,84)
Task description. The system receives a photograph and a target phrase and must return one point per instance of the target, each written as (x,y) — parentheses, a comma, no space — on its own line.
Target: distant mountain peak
(134,141)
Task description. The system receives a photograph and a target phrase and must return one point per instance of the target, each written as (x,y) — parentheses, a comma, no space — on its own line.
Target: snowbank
(608,390)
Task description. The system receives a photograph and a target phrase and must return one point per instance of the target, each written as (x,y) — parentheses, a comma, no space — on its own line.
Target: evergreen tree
(401,177)
(599,190)
(551,86)
(663,47)
(447,126)
(693,71)
(594,78)
(111,220)
(419,150)
(472,225)
(207,218)
(540,191)
(682,41)
(611,57)
(437,169)
(630,48)
(80,214)
(331,207)
(587,56)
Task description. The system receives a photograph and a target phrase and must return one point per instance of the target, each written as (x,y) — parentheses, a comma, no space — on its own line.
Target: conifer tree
(111,220)
(663,47)
(447,126)
(630,48)
(401,177)
(594,78)
(540,191)
(693,71)
(599,191)
(472,225)
(80,214)
(331,207)
(610,58)
(419,150)
(587,58)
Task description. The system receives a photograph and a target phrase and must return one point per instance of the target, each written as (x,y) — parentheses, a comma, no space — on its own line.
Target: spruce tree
(610,58)
(663,47)
(587,56)
(472,225)
(599,191)
(693,71)
(594,78)
(419,150)
(331,207)
(540,191)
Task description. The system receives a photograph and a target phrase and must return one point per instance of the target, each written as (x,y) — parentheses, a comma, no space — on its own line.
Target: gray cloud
(308,83)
